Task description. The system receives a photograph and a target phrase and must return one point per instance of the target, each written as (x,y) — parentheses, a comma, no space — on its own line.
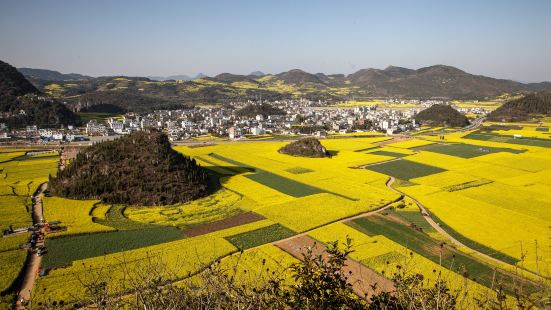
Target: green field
(430,248)
(260,236)
(466,150)
(62,251)
(505,139)
(282,184)
(404,169)
(85,117)
(274,181)
(387,153)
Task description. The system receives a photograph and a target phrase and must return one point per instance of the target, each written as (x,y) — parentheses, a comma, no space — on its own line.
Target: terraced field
(492,196)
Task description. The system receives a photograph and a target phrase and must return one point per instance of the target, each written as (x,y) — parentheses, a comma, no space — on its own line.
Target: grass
(467,150)
(404,169)
(260,236)
(431,248)
(63,251)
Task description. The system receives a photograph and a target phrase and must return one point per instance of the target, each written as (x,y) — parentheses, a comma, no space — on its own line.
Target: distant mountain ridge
(433,82)
(52,75)
(179,77)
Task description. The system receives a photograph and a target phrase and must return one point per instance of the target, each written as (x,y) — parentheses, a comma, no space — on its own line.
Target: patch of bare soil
(236,220)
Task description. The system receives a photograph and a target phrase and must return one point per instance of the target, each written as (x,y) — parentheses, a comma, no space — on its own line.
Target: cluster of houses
(299,117)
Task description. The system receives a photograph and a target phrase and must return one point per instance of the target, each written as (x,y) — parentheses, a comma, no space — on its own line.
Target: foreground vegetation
(317,281)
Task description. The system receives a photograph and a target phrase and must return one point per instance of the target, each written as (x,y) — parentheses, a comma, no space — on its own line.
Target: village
(298,117)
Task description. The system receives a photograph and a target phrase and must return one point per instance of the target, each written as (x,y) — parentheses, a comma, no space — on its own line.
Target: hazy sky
(505,39)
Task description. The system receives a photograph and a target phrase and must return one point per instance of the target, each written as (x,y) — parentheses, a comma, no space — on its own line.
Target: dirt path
(365,282)
(353,217)
(443,232)
(33,261)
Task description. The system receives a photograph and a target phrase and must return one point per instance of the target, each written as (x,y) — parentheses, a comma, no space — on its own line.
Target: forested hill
(308,147)
(442,115)
(13,83)
(21,104)
(522,108)
(140,168)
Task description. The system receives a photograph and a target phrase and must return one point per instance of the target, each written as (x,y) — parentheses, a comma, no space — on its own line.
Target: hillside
(51,75)
(263,109)
(437,81)
(522,108)
(140,168)
(23,104)
(442,115)
(308,147)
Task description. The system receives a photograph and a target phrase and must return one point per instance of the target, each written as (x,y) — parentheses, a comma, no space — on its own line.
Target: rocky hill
(140,168)
(308,147)
(437,81)
(442,115)
(535,104)
(22,104)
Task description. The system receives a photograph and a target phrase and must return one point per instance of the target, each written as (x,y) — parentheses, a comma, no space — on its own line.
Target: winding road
(33,261)
(443,232)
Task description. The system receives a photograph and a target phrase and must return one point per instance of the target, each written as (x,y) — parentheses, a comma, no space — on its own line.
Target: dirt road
(365,281)
(443,232)
(33,261)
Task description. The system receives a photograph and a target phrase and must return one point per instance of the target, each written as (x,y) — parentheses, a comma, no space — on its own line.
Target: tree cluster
(308,147)
(521,109)
(140,169)
(442,115)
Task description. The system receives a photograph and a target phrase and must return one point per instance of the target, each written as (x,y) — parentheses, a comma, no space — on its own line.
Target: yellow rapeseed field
(74,214)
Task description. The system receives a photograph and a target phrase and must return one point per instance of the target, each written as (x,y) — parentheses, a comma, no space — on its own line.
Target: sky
(503,39)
